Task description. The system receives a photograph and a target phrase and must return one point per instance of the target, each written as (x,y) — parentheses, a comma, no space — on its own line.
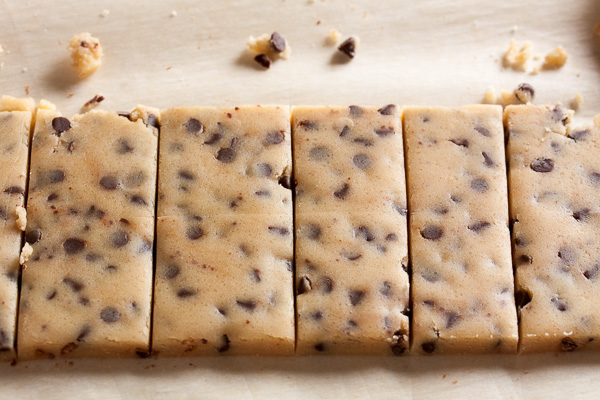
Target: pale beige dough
(86,53)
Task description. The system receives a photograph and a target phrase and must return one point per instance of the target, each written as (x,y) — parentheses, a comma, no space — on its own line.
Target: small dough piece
(224,273)
(262,45)
(26,252)
(86,291)
(462,282)
(352,289)
(15,123)
(518,58)
(557,58)
(554,176)
(86,53)
(21,221)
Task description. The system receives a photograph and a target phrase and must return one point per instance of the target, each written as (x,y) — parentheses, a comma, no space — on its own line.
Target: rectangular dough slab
(555,195)
(351,239)
(225,239)
(462,282)
(15,123)
(86,289)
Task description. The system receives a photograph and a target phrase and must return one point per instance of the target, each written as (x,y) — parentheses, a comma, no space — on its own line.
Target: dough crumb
(1,49)
(507,97)
(489,97)
(173,14)
(86,53)
(21,218)
(524,93)
(577,102)
(148,115)
(514,29)
(9,103)
(26,252)
(105,13)
(557,58)
(274,46)
(517,57)
(334,37)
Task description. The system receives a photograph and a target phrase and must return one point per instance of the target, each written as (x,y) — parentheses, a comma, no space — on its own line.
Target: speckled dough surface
(351,240)
(14,144)
(87,286)
(554,180)
(225,240)
(460,246)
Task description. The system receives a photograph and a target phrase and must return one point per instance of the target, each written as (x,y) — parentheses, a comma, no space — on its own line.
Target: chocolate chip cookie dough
(15,122)
(224,233)
(462,279)
(86,289)
(554,176)
(351,240)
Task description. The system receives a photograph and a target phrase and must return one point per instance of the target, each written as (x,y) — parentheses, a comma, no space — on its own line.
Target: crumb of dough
(104,13)
(524,93)
(507,97)
(334,37)
(1,49)
(557,58)
(148,115)
(26,252)
(597,29)
(517,57)
(46,105)
(21,218)
(272,45)
(173,14)
(577,102)
(9,103)
(489,97)
(86,53)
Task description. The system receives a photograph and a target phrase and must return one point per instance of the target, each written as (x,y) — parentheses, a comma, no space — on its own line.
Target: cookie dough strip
(224,233)
(554,177)
(351,240)
(87,286)
(15,123)
(462,281)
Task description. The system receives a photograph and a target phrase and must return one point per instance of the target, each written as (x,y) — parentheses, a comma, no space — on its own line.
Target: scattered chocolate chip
(152,121)
(567,345)
(273,138)
(110,314)
(319,153)
(400,209)
(385,131)
(387,110)
(351,255)
(478,226)
(73,245)
(364,233)
(73,284)
(135,178)
(33,236)
(51,197)
(432,232)
(525,259)
(51,295)
(461,142)
(399,343)
(356,296)
(193,126)
(124,147)
(119,239)
(355,111)
(487,160)
(14,190)
(263,169)
(579,134)
(542,165)
(304,285)
(226,155)
(69,347)
(109,182)
(83,333)
(308,125)
(277,42)
(483,130)
(342,193)
(185,293)
(55,176)
(136,199)
(386,289)
(345,131)
(479,185)
(428,347)
(429,303)
(92,257)
(263,60)
(225,346)
(452,319)
(559,114)
(171,271)
(560,304)
(61,124)
(214,139)
(194,232)
(582,214)
(348,47)
(313,232)
(256,275)
(285,181)
(363,141)
(525,92)
(392,237)
(595,177)
(279,230)
(592,273)
(361,161)
(249,305)
(186,175)
(327,285)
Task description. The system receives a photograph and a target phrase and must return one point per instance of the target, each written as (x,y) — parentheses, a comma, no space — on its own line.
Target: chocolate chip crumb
(387,110)
(525,92)
(263,60)
(73,246)
(110,314)
(356,296)
(348,47)
(432,232)
(277,42)
(567,345)
(428,347)
(61,124)
(542,165)
(171,271)
(193,126)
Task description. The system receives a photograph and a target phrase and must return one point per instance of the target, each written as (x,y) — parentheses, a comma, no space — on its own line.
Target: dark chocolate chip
(186,293)
(263,60)
(327,285)
(308,125)
(277,42)
(193,126)
(363,141)
(304,285)
(592,273)
(51,295)
(61,124)
(263,193)
(319,153)
(186,175)
(483,130)
(392,237)
(479,185)
(73,245)
(345,131)
(256,275)
(112,268)
(320,347)
(400,209)
(273,138)
(428,303)
(152,121)
(124,146)
(348,47)
(356,296)
(171,271)
(342,193)
(461,142)
(84,301)
(386,289)
(432,232)
(399,343)
(51,197)
(225,346)
(579,134)
(73,284)
(560,304)
(55,176)
(313,232)
(285,181)
(542,165)
(478,226)
(91,257)
(14,190)
(33,236)
(109,182)
(567,255)
(83,333)
(110,314)
(119,239)
(428,347)
(582,214)
(249,305)
(567,345)
(279,230)
(452,319)
(226,155)
(222,311)
(355,111)
(194,232)
(317,315)
(69,347)
(487,160)
(362,161)
(525,92)
(213,139)
(559,114)
(351,255)
(263,169)
(525,259)
(289,265)
(385,131)
(364,233)
(430,275)
(135,199)
(387,110)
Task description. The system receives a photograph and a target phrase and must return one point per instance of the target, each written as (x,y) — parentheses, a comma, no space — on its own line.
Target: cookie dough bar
(15,123)
(87,286)
(462,281)
(224,233)
(554,176)
(352,289)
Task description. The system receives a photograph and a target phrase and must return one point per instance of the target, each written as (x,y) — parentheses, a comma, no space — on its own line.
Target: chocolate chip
(124,146)
(399,345)
(225,346)
(69,347)
(342,193)
(452,319)
(214,138)
(73,245)
(91,257)
(567,255)
(249,305)
(135,199)
(320,347)
(479,185)
(327,285)
(285,181)
(61,124)
(385,131)
(362,161)
(171,271)
(51,295)
(73,284)
(432,232)
(263,193)
(392,237)
(135,178)
(317,315)
(33,236)
(313,232)
(595,177)
(185,293)
(14,190)
(273,138)
(356,296)
(308,125)
(226,155)
(428,303)
(364,233)
(387,110)
(256,275)
(592,273)
(525,92)
(525,259)
(193,126)
(582,214)
(51,197)
(478,226)
(348,47)
(567,345)
(109,182)
(355,111)
(345,131)
(363,141)
(430,275)
(186,175)
(428,347)
(152,121)
(461,142)
(194,232)
(277,42)
(110,314)
(483,130)
(55,176)
(487,160)
(579,134)
(560,304)
(95,213)
(386,289)
(351,255)
(304,285)
(263,169)
(559,114)
(119,239)
(319,153)
(263,60)
(111,268)
(83,333)
(279,230)
(542,165)
(400,209)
